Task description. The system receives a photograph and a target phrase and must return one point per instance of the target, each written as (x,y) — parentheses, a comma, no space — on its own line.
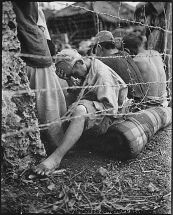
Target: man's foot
(47,166)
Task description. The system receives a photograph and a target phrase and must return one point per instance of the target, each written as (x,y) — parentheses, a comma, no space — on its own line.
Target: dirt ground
(89,182)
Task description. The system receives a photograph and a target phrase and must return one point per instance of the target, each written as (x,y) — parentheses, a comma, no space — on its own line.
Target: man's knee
(80,110)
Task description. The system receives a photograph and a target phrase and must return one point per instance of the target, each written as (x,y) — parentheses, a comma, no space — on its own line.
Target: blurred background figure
(139,31)
(158,16)
(118,43)
(85,47)
(67,46)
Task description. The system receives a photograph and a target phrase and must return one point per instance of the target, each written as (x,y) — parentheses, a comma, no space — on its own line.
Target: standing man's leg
(50,103)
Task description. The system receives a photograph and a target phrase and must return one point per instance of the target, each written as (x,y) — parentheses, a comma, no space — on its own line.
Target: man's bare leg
(71,136)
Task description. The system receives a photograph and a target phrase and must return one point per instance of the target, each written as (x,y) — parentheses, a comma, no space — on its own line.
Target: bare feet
(47,166)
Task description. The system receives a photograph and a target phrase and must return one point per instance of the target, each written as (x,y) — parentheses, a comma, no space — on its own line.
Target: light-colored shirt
(105,88)
(42,22)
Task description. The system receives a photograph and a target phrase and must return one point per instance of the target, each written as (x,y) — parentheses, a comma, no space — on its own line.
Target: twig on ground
(143,159)
(142,169)
(167,194)
(23,172)
(78,173)
(145,171)
(86,198)
(160,152)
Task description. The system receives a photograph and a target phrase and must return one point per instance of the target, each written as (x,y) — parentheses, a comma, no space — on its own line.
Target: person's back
(120,62)
(151,66)
(125,70)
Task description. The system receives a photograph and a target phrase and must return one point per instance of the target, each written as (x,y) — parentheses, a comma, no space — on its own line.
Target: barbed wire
(78,87)
(11,53)
(122,19)
(11,92)
(67,117)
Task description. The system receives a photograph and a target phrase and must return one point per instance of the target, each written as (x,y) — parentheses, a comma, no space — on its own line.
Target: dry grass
(93,183)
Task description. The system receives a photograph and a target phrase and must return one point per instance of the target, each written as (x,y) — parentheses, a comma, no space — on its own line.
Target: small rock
(102,171)
(55,208)
(51,186)
(71,203)
(79,198)
(152,188)
(61,195)
(32,176)
(97,179)
(167,197)
(100,174)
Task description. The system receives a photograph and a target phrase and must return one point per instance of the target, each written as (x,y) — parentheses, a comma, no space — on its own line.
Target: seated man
(120,62)
(103,98)
(151,67)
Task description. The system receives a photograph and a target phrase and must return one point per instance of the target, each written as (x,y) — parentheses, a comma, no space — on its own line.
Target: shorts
(95,122)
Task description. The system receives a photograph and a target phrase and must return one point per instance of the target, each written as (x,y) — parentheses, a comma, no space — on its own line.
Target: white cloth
(51,105)
(42,22)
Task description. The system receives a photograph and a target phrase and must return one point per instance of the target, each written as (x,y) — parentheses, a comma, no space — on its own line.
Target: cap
(66,59)
(104,36)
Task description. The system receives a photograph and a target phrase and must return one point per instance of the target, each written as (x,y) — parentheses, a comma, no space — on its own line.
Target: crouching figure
(102,99)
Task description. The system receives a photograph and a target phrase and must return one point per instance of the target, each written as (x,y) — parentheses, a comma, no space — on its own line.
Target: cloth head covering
(66,59)
(104,36)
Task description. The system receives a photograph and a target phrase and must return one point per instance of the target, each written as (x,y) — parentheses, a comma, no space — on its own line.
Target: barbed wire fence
(69,115)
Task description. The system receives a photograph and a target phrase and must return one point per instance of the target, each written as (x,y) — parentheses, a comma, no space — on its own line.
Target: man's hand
(70,80)
(61,74)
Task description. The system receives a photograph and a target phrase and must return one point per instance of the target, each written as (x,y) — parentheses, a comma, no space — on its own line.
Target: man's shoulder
(100,63)
(101,67)
(148,55)
(154,53)
(142,56)
(151,51)
(103,62)
(97,61)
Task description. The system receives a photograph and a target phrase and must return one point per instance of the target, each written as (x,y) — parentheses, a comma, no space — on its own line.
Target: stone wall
(21,150)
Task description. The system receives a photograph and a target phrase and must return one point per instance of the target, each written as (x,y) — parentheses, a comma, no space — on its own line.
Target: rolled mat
(126,138)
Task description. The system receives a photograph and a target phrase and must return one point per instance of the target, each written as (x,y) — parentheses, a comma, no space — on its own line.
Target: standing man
(41,22)
(43,26)
(50,99)
(139,31)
